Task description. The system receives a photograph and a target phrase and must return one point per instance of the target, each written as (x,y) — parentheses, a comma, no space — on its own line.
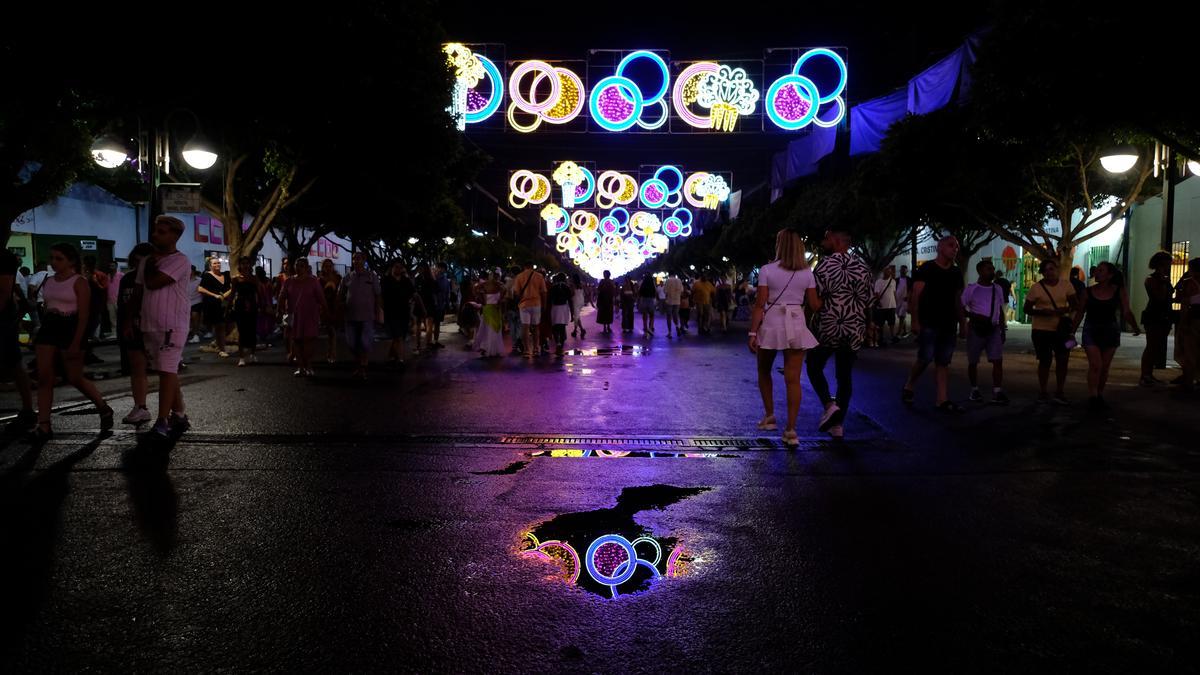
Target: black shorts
(58,330)
(885,316)
(10,344)
(134,343)
(1049,345)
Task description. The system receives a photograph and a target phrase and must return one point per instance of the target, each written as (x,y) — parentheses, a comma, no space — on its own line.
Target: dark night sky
(887,44)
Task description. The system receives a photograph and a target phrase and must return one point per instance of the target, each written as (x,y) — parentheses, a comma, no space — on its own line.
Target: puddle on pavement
(506,471)
(605,551)
(645,454)
(623,350)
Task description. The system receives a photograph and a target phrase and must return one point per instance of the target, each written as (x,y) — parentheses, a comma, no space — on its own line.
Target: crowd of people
(829,312)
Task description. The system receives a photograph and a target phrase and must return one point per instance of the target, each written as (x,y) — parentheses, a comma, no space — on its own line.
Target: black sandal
(951,407)
(907,396)
(39,435)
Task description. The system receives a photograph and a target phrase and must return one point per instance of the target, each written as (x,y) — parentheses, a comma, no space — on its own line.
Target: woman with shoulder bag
(1098,311)
(1051,302)
(786,290)
(986,331)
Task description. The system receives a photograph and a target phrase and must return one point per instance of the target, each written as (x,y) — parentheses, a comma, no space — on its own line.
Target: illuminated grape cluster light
(794,101)
(618,103)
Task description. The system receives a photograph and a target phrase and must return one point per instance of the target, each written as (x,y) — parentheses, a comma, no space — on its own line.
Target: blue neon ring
(676,215)
(497,92)
(686,231)
(633,94)
(642,561)
(773,93)
(619,578)
(672,226)
(821,51)
(613,214)
(662,189)
(591,182)
(652,542)
(662,65)
(677,172)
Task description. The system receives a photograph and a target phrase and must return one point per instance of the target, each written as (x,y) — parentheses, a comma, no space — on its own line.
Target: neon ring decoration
(611,560)
(794,101)
(687,91)
(654,193)
(584,192)
(560,552)
(617,103)
(614,187)
(562,103)
(690,186)
(727,93)
(526,187)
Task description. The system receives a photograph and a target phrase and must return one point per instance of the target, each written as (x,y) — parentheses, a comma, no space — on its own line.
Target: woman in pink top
(67,303)
(304,302)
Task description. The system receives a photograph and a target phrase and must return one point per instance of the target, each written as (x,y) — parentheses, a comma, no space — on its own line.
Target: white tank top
(59,296)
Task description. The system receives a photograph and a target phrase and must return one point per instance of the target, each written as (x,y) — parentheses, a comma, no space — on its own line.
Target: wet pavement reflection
(616,454)
(606,552)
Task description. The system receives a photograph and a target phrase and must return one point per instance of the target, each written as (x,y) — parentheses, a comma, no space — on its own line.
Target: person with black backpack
(987,330)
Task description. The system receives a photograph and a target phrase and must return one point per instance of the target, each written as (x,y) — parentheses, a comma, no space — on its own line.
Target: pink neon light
(475,101)
(672,558)
(681,108)
(608,557)
(614,107)
(544,70)
(790,104)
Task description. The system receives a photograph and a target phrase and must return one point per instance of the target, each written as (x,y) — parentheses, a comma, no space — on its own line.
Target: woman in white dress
(786,290)
(489,341)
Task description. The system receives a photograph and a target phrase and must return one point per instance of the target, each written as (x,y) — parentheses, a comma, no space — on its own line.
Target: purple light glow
(790,104)
(613,106)
(475,101)
(608,557)
(654,194)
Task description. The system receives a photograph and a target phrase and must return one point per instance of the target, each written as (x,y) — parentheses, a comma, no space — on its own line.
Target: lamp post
(154,156)
(1123,158)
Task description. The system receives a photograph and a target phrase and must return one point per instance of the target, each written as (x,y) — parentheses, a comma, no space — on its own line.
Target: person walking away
(1187,331)
(304,302)
(606,293)
(561,297)
(628,300)
(647,298)
(673,290)
(685,306)
(1098,309)
(214,291)
(398,293)
(489,341)
(702,297)
(359,298)
(427,290)
(441,300)
(64,332)
(660,295)
(331,281)
(1157,317)
(903,290)
(845,288)
(724,299)
(786,290)
(530,292)
(245,310)
(13,305)
(936,305)
(129,335)
(1050,303)
(884,312)
(286,271)
(163,313)
(987,331)
(578,300)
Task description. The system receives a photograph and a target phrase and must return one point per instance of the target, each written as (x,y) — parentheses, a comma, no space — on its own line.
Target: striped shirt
(167,308)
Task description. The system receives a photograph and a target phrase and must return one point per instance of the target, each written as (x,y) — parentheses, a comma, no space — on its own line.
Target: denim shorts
(937,345)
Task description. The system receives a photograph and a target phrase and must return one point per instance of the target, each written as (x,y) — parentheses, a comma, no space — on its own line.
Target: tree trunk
(1066,258)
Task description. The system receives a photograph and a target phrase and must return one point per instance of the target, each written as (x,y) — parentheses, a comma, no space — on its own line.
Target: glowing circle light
(617,102)
(568,175)
(562,102)
(526,187)
(794,100)
(686,92)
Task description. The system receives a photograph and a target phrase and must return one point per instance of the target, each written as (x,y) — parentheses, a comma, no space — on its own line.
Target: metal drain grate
(593,440)
(733,442)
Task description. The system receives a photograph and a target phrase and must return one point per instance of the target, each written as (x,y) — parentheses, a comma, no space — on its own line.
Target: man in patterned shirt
(845,284)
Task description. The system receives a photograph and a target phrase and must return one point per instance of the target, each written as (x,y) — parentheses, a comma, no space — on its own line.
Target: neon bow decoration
(727,93)
(794,100)
(569,176)
(467,105)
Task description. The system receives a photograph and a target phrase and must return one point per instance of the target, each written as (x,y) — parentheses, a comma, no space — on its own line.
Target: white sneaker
(223,354)
(299,373)
(241,363)
(836,432)
(137,416)
(195,339)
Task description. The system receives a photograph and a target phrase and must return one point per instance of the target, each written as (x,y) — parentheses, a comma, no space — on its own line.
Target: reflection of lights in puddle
(619,556)
(641,454)
(625,350)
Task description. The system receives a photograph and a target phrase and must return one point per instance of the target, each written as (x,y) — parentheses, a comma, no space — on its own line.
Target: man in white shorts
(165,313)
(529,288)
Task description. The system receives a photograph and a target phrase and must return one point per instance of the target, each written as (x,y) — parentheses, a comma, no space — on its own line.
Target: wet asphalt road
(335,525)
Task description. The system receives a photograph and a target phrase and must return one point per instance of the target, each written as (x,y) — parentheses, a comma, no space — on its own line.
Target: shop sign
(87,244)
(180,197)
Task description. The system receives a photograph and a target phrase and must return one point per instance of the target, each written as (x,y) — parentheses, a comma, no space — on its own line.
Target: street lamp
(449,240)
(1121,159)
(199,154)
(413,241)
(109,151)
